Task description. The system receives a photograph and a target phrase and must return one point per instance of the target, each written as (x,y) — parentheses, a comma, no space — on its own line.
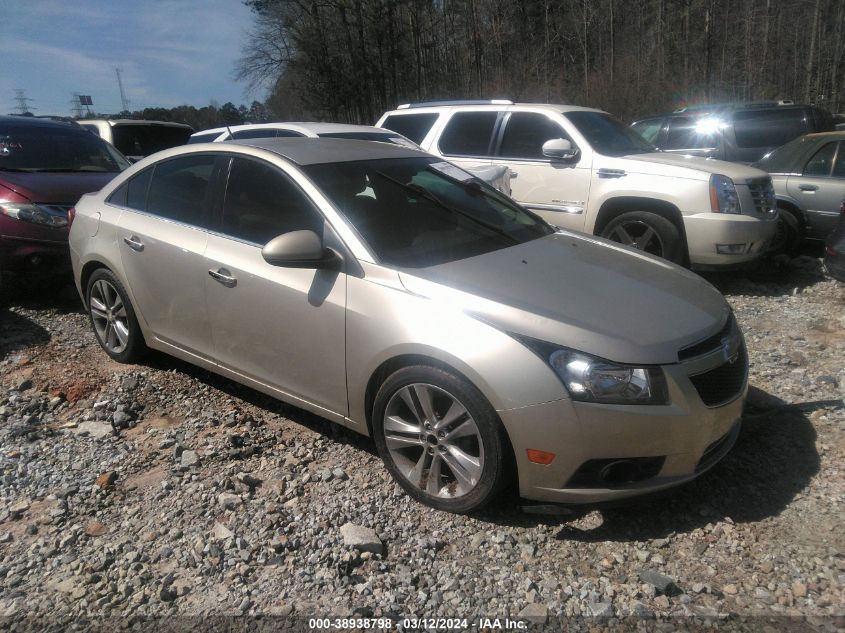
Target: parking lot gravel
(163,490)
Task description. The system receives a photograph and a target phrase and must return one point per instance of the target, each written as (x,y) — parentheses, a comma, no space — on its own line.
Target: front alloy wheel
(439,438)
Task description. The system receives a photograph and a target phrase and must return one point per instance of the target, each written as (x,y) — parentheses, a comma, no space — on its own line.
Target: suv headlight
(36,214)
(723,196)
(589,378)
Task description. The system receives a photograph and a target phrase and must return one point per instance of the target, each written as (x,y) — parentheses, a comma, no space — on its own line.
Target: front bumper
(705,231)
(689,436)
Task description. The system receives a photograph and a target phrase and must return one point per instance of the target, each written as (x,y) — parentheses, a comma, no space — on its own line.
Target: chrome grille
(762,195)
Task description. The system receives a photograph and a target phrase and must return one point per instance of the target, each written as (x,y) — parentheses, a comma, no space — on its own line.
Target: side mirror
(561,149)
(299,249)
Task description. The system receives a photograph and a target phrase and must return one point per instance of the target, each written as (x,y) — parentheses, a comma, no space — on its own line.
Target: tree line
(210,116)
(350,60)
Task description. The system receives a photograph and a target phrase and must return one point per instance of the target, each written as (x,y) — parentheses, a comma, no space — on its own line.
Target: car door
(162,238)
(821,187)
(555,189)
(283,327)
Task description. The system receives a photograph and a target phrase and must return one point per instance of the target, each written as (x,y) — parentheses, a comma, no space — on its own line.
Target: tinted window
(143,140)
(839,165)
(648,129)
(525,134)
(261,203)
(691,133)
(412,126)
(119,195)
(264,133)
(179,189)
(608,136)
(208,137)
(769,128)
(821,162)
(417,212)
(468,134)
(56,148)
(136,191)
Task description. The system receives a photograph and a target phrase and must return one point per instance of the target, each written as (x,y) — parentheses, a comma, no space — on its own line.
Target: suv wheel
(647,232)
(439,438)
(788,235)
(113,318)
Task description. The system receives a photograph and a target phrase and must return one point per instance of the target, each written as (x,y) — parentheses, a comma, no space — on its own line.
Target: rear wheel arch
(87,270)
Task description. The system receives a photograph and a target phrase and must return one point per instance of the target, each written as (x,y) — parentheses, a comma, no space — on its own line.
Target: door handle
(224,277)
(134,243)
(808,187)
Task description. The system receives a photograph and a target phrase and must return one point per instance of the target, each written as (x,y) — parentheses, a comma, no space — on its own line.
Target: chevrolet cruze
(393,293)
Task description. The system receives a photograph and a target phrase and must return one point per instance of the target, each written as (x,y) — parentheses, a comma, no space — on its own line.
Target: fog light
(540,457)
(730,249)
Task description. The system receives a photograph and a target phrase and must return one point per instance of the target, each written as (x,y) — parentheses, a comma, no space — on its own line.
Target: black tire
(489,441)
(647,232)
(106,324)
(789,234)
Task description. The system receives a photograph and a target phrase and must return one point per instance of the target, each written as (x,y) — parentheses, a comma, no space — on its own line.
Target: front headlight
(723,196)
(34,213)
(588,378)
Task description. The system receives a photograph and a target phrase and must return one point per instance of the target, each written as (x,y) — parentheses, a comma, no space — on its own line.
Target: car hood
(681,166)
(55,187)
(581,292)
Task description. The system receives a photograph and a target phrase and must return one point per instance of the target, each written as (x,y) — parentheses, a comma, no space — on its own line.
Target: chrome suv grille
(724,383)
(763,195)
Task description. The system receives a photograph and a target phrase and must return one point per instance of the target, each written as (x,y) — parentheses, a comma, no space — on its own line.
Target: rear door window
(261,202)
(180,189)
(136,190)
(412,126)
(525,134)
(769,128)
(469,134)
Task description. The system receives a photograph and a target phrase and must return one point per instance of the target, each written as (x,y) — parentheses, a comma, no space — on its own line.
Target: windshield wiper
(428,195)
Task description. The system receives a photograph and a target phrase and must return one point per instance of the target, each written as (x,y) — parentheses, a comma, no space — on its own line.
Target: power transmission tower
(123,100)
(76,105)
(22,101)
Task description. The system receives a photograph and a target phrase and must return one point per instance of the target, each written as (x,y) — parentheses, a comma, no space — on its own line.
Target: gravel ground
(161,490)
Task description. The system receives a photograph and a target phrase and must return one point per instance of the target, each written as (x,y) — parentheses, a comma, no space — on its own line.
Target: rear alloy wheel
(439,438)
(647,232)
(112,316)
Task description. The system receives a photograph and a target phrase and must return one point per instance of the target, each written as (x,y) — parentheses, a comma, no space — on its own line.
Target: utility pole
(123,100)
(22,101)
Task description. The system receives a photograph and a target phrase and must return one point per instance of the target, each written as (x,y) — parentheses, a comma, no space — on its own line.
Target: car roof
(135,122)
(31,121)
(512,107)
(297,126)
(314,151)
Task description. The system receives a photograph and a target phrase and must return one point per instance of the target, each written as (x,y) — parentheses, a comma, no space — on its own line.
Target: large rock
(662,583)
(361,538)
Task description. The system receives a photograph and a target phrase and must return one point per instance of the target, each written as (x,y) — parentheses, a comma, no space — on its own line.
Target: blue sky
(171,52)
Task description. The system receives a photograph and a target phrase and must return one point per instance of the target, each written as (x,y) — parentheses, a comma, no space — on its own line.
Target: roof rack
(736,105)
(426,104)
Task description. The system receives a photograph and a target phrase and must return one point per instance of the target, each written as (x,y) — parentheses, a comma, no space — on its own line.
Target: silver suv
(581,169)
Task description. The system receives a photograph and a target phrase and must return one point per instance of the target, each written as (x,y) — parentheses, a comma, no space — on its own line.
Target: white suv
(582,169)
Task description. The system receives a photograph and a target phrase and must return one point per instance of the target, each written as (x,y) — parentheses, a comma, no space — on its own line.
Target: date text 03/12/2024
(415,624)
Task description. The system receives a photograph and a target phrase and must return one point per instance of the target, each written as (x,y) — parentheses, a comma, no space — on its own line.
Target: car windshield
(608,136)
(42,148)
(419,212)
(142,140)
